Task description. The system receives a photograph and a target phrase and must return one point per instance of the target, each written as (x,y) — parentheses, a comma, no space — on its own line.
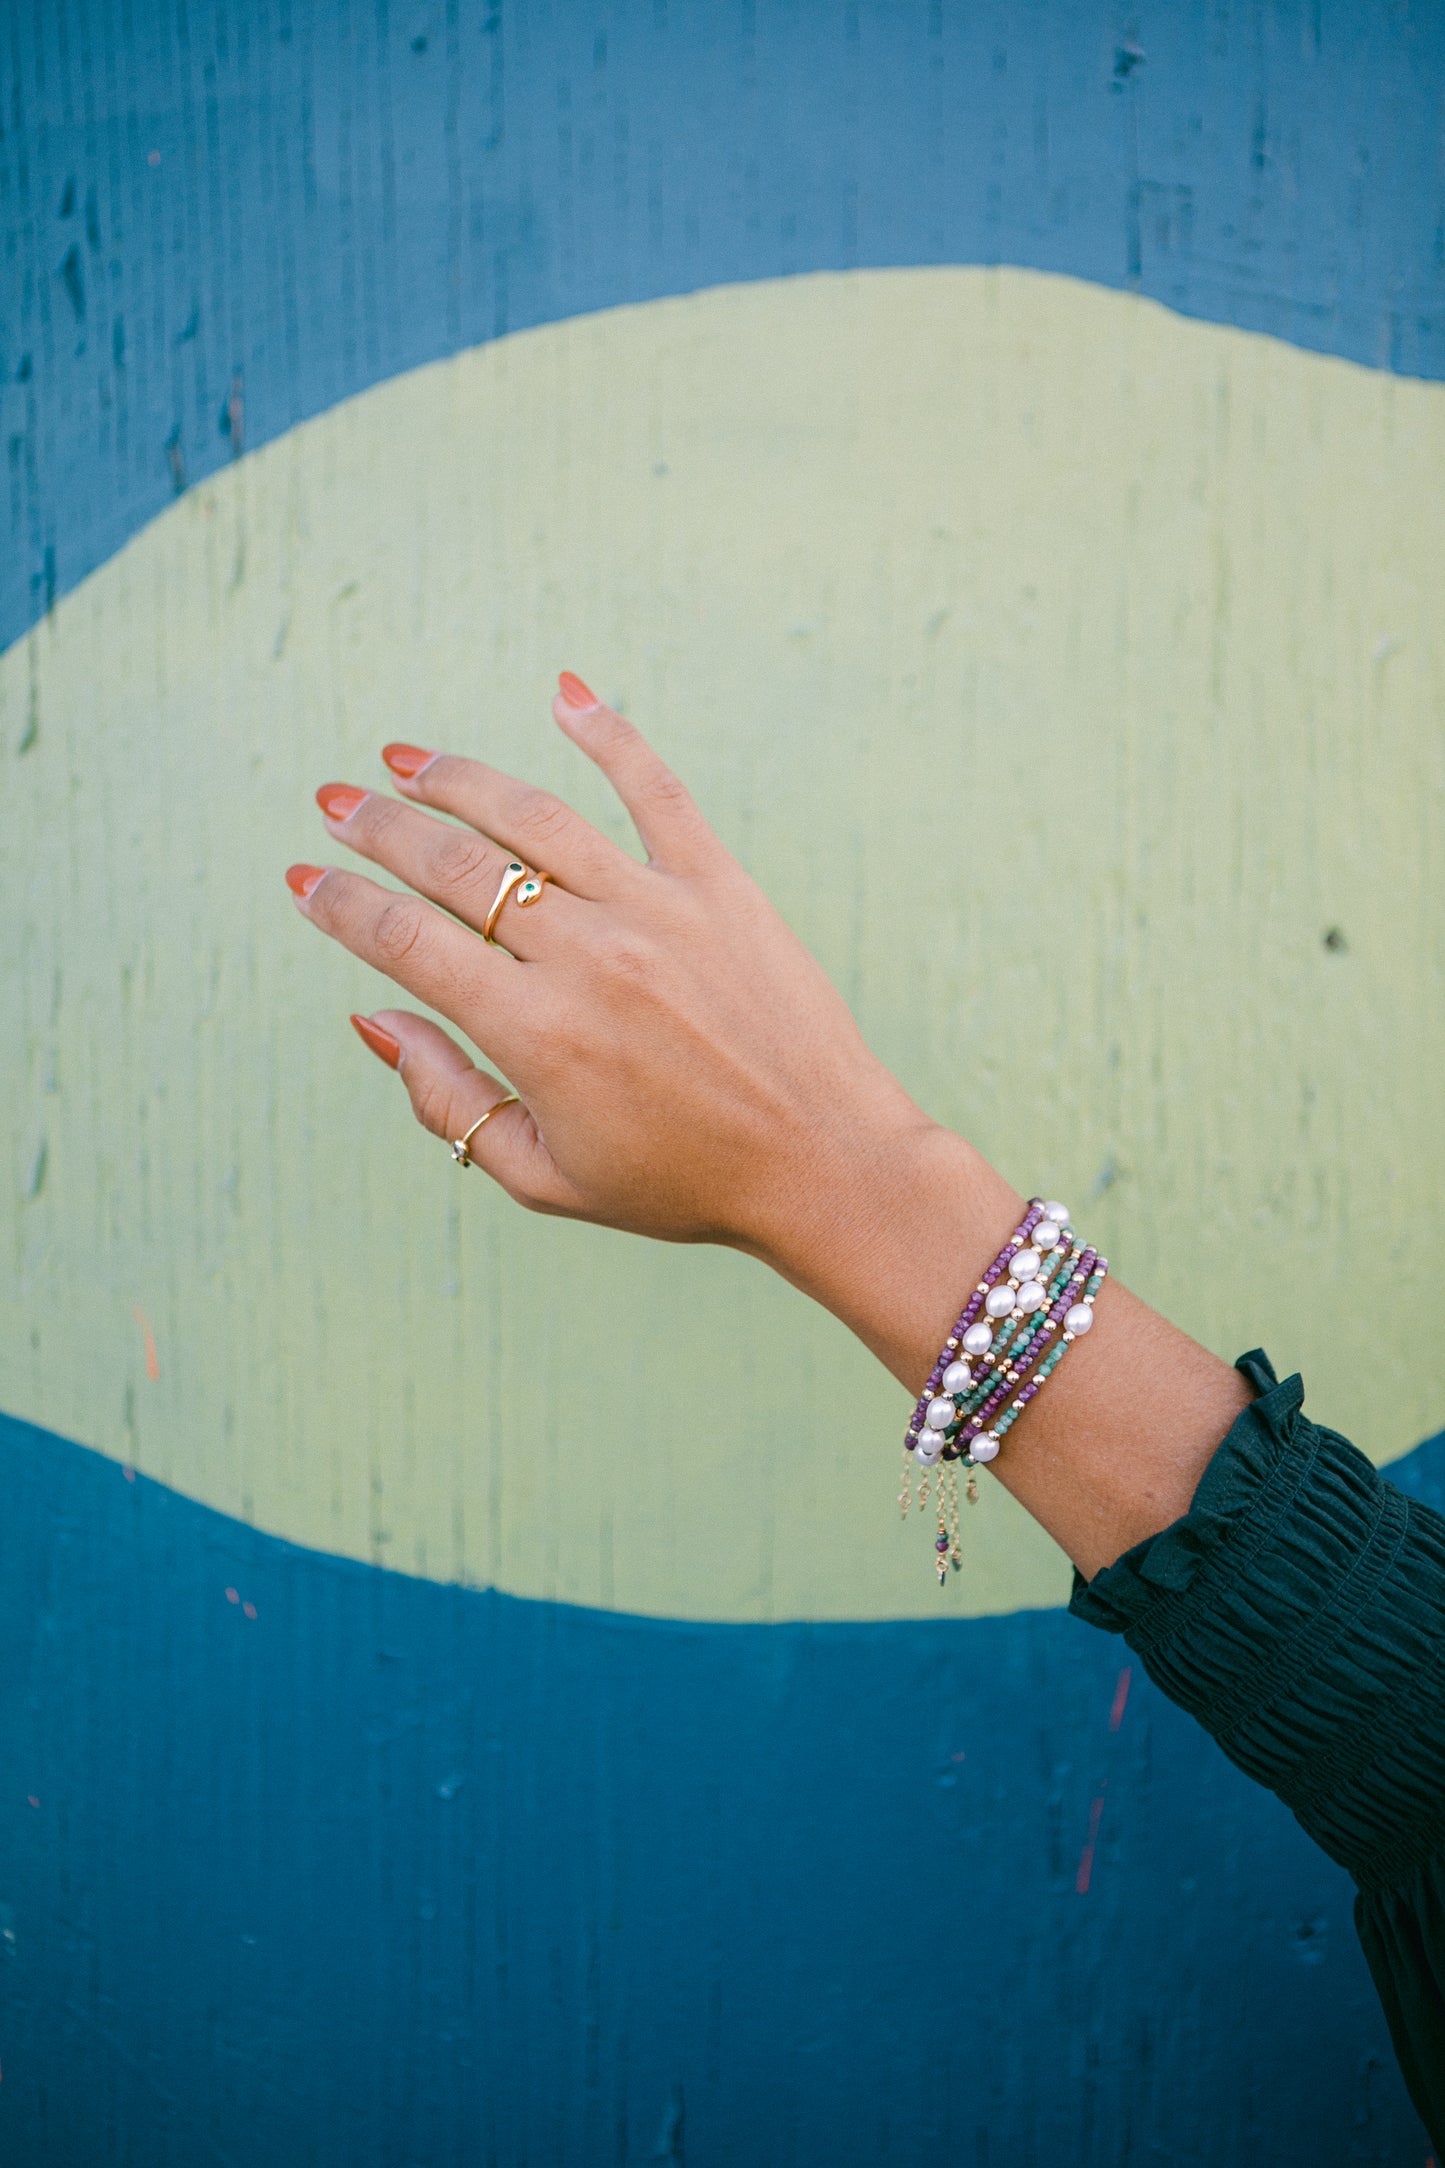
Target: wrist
(889,1228)
(893,1231)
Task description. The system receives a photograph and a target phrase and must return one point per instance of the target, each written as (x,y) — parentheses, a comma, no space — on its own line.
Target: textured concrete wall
(999,427)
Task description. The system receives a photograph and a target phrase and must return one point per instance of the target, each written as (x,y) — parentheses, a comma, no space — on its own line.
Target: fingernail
(302,879)
(575,693)
(406,760)
(338,801)
(382,1044)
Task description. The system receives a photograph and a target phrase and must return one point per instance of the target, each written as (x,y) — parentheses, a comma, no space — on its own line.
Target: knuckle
(431,1104)
(399,929)
(541,818)
(668,794)
(460,860)
(634,962)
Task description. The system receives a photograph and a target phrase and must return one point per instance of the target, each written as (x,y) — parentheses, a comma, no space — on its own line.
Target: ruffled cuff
(1298,1611)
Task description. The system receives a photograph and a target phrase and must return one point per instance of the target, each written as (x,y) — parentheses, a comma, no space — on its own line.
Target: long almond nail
(302,879)
(382,1044)
(338,801)
(406,760)
(575,693)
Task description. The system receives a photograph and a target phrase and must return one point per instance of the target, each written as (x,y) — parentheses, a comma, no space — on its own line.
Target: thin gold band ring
(528,888)
(460,1153)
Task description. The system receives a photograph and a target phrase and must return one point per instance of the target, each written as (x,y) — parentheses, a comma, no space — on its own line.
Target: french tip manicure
(575,693)
(382,1043)
(407,761)
(338,801)
(302,879)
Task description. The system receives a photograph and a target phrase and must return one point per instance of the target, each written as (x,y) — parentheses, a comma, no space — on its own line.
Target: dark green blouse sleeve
(1298,1611)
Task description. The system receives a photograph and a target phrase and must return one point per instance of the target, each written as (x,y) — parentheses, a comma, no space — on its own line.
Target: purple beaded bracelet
(978,1422)
(968,1313)
(1003,1369)
(939,1437)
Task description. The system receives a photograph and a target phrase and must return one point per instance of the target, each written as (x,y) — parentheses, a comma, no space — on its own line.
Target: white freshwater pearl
(1032,1296)
(1000,1302)
(1078,1320)
(940,1413)
(1058,1213)
(928,1449)
(984,1448)
(1046,1235)
(1026,1263)
(957,1378)
(978,1339)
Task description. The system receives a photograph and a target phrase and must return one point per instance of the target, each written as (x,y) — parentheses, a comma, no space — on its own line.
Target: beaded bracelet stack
(1008,1335)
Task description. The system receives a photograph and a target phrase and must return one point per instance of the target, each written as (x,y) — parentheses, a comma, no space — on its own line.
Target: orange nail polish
(382,1044)
(302,879)
(338,801)
(406,760)
(575,693)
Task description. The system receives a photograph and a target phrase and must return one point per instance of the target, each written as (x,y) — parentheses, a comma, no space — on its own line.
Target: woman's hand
(686,1069)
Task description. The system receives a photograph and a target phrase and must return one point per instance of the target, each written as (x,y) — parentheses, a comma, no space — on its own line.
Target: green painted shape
(1130,625)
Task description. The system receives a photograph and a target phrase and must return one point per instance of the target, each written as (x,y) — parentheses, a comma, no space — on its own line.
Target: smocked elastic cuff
(1298,1611)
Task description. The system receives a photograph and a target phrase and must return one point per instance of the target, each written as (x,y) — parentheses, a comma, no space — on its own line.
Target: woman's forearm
(687,1071)
(682,1068)
(892,1239)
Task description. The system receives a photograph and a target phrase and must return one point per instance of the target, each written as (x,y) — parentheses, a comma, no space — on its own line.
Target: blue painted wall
(289,201)
(398,1876)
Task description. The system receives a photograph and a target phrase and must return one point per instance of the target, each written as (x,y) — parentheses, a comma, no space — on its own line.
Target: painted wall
(1009,424)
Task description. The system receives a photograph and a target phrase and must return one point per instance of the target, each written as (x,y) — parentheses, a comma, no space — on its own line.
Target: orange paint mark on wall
(153,1367)
(1086,1857)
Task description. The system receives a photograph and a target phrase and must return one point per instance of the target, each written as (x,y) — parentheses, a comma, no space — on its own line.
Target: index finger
(452,970)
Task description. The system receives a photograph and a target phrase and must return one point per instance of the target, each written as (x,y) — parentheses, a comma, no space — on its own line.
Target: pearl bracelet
(1052,1360)
(982,1335)
(1007,1327)
(975,1438)
(1043,1228)
(1018,1341)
